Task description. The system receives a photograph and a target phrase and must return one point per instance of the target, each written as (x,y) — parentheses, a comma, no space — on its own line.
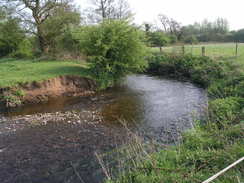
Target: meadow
(225,51)
(13,72)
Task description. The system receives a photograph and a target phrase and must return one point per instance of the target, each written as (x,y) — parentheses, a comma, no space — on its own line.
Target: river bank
(28,81)
(215,142)
(52,136)
(40,92)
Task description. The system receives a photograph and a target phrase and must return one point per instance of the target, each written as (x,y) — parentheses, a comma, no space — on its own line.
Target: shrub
(24,50)
(10,36)
(201,70)
(223,111)
(114,49)
(191,40)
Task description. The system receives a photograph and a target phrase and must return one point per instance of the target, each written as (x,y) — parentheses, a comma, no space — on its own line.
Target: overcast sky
(186,11)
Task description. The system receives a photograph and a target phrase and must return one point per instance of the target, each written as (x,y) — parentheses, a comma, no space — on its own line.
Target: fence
(221,50)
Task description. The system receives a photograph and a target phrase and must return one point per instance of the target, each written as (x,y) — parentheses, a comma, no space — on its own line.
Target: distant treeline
(169,31)
(217,31)
(33,28)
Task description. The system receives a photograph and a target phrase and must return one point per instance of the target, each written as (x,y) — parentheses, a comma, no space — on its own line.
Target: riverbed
(57,141)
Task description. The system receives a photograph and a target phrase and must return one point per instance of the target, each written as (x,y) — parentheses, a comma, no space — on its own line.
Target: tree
(59,24)
(35,14)
(170,26)
(164,20)
(159,39)
(108,9)
(238,36)
(114,48)
(221,26)
(11,34)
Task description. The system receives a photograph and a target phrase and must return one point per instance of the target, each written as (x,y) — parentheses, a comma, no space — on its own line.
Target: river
(56,141)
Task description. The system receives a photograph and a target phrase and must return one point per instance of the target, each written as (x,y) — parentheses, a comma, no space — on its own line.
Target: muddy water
(56,141)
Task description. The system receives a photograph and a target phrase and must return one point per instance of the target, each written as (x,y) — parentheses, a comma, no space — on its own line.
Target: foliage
(208,31)
(201,70)
(11,35)
(24,50)
(223,111)
(191,39)
(238,36)
(114,48)
(44,19)
(58,26)
(158,39)
(214,143)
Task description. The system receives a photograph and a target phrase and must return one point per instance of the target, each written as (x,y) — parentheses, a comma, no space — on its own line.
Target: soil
(43,91)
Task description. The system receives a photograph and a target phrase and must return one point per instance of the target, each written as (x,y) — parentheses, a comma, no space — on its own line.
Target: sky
(186,11)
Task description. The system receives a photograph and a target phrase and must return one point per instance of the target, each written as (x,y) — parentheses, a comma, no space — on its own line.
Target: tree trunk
(103,9)
(42,41)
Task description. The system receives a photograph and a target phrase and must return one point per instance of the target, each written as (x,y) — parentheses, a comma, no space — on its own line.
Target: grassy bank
(215,142)
(13,72)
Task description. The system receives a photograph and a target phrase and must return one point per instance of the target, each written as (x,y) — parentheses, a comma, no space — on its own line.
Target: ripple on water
(157,108)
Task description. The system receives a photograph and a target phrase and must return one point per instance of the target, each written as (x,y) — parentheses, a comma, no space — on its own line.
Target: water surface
(157,108)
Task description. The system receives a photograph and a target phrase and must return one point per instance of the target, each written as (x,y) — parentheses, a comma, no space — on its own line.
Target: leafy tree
(58,26)
(208,31)
(35,14)
(114,49)
(159,39)
(11,35)
(24,49)
(238,36)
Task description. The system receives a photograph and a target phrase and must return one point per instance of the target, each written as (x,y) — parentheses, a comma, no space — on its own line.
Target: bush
(24,50)
(191,40)
(201,70)
(114,49)
(223,111)
(10,36)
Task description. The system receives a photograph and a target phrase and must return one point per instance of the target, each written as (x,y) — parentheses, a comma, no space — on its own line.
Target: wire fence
(214,50)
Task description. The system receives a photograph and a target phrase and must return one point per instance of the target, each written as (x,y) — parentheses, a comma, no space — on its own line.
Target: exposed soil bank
(38,92)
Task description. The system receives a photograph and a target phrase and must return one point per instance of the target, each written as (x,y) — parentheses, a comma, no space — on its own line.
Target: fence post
(203,51)
(183,49)
(160,48)
(236,49)
(191,48)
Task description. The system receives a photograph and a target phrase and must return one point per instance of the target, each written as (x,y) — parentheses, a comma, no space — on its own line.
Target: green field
(213,50)
(13,72)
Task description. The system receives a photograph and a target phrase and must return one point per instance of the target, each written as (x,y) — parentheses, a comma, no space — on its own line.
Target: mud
(39,92)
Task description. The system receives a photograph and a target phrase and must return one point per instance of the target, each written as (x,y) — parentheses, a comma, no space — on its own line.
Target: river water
(47,142)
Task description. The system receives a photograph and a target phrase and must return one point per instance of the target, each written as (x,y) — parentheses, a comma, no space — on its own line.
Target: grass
(213,50)
(215,142)
(13,72)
